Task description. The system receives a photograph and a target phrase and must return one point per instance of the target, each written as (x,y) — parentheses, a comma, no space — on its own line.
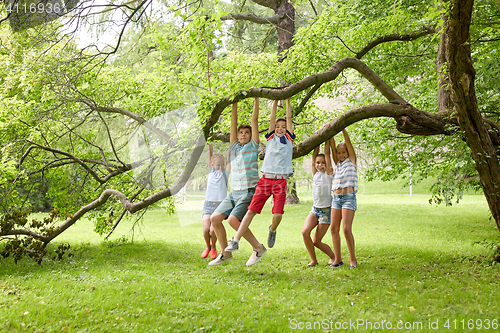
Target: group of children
(249,193)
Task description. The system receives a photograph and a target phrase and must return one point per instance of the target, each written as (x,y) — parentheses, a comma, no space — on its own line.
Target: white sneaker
(256,256)
(233,246)
(220,259)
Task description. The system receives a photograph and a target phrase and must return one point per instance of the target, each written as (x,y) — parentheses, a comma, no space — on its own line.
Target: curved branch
(81,162)
(252,18)
(129,114)
(408,120)
(396,37)
(70,156)
(307,82)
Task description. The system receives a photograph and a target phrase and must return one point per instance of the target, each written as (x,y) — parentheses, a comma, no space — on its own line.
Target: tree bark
(463,96)
(285,27)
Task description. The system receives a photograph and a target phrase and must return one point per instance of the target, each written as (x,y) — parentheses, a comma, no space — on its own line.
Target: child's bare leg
(244,224)
(309,224)
(348,217)
(213,237)
(276,221)
(248,235)
(318,237)
(220,231)
(335,229)
(206,230)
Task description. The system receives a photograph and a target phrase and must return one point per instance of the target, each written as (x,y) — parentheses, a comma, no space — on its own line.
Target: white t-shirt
(216,185)
(322,189)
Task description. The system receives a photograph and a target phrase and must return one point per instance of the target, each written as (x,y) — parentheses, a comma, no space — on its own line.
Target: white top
(279,151)
(322,189)
(216,185)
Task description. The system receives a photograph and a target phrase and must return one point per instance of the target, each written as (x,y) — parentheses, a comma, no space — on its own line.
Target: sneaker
(213,253)
(271,238)
(220,259)
(256,256)
(233,246)
(205,253)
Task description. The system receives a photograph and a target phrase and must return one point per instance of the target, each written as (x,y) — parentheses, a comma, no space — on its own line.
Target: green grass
(417,264)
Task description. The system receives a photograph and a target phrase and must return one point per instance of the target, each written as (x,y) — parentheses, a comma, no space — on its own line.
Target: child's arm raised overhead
(210,157)
(228,161)
(315,153)
(272,119)
(255,121)
(289,123)
(233,134)
(350,149)
(329,169)
(333,146)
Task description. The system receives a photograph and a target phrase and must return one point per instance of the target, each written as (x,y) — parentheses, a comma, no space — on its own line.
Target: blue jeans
(347,201)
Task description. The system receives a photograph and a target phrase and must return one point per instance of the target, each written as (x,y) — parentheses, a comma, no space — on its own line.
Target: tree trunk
(292,198)
(461,77)
(285,28)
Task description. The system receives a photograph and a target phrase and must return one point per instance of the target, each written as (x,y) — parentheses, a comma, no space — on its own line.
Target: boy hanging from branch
(276,168)
(244,167)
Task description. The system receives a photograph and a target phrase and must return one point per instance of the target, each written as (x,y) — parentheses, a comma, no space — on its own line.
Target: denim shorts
(347,201)
(323,214)
(210,206)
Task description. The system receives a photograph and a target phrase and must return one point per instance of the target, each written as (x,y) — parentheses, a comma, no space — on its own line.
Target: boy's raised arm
(315,153)
(333,147)
(233,134)
(255,121)
(329,169)
(272,119)
(289,123)
(350,149)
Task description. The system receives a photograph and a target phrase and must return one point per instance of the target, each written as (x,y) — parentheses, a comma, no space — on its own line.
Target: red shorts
(266,187)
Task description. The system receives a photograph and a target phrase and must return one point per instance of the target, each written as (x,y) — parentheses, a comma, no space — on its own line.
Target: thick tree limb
(252,18)
(408,120)
(267,3)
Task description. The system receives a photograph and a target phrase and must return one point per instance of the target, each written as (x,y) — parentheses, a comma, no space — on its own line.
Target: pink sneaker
(213,253)
(205,253)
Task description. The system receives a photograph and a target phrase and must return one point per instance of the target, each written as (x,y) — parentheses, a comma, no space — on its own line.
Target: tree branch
(396,37)
(129,114)
(252,18)
(267,3)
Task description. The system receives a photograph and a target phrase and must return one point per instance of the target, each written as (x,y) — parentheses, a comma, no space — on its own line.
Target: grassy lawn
(419,267)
